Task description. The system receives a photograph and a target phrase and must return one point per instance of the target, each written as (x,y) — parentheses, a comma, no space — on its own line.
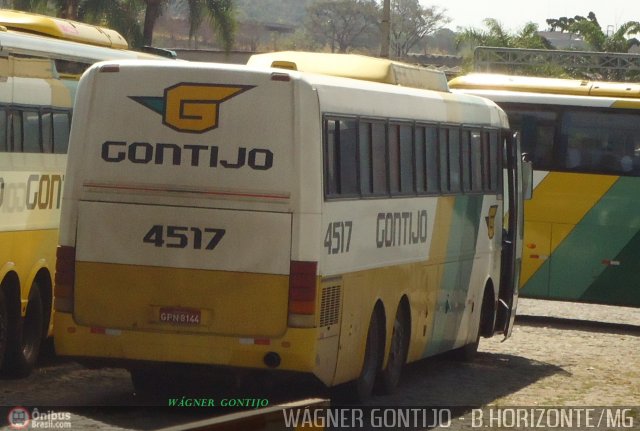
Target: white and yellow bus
(266,218)
(41,60)
(582,233)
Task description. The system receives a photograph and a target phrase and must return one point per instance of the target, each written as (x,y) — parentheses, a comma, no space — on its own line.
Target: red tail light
(302,287)
(65,277)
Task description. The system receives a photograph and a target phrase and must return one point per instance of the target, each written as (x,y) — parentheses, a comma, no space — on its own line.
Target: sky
(513,14)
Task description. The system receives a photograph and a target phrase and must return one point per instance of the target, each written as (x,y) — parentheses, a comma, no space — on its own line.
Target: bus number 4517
(183,237)
(338,237)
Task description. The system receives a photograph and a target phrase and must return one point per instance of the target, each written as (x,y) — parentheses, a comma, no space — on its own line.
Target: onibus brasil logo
(191,107)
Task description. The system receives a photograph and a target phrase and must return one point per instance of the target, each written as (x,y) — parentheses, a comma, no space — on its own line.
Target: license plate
(180,316)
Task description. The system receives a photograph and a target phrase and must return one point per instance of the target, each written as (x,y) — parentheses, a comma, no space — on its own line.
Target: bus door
(515,191)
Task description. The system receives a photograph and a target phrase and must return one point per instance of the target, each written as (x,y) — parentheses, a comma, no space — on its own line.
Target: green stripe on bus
(619,284)
(452,295)
(606,233)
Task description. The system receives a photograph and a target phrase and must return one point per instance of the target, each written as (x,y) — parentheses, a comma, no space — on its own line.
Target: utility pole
(385,28)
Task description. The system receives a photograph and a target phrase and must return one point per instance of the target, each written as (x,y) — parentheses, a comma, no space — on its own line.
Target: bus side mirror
(527,177)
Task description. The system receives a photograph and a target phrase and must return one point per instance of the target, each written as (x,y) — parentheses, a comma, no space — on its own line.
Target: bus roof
(356,67)
(530,84)
(62,29)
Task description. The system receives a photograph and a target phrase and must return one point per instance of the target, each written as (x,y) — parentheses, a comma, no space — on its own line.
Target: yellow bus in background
(267,218)
(41,59)
(582,231)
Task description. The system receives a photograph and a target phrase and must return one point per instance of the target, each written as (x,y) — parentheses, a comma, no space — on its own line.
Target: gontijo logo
(191,107)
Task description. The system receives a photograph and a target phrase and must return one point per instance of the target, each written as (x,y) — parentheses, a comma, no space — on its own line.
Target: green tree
(598,39)
(36,6)
(496,35)
(123,15)
(219,13)
(120,15)
(410,23)
(341,24)
(63,8)
(291,12)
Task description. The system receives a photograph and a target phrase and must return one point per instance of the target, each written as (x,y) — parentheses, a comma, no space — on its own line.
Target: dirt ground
(560,354)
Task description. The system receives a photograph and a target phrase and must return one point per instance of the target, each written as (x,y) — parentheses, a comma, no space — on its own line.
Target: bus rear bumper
(295,349)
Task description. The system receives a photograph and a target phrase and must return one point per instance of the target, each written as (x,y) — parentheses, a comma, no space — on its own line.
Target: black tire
(363,385)
(4,327)
(390,376)
(468,352)
(22,353)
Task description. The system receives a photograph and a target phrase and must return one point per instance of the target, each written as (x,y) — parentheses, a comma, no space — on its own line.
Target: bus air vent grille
(330,306)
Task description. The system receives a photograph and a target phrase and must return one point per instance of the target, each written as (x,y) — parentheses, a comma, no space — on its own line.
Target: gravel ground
(560,354)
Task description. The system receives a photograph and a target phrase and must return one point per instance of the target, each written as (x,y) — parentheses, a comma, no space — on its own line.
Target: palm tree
(218,12)
(68,8)
(122,15)
(592,33)
(37,6)
(497,36)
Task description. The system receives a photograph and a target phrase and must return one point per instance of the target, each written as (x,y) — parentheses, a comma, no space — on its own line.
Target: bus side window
(495,157)
(47,132)
(420,162)
(31,129)
(372,144)
(537,129)
(15,136)
(400,159)
(341,170)
(3,131)
(431,160)
(348,168)
(443,151)
(455,172)
(476,161)
(407,183)
(364,153)
(379,158)
(394,158)
(61,125)
(465,154)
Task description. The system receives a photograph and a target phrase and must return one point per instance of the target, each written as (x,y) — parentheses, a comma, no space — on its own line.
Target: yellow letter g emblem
(194,108)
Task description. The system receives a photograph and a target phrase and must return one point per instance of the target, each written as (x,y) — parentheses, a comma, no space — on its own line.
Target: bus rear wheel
(374,350)
(22,353)
(397,352)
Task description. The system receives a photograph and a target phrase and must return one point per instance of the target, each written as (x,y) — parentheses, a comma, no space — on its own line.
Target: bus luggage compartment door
(179,268)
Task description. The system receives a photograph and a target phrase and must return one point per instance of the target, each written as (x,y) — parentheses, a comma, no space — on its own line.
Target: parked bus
(40,63)
(259,218)
(582,235)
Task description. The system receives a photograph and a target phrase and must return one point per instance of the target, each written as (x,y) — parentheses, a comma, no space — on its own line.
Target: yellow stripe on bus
(560,201)
(434,270)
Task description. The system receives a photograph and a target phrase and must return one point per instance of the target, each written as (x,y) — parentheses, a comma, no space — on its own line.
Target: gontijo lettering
(259,159)
(395,229)
(39,192)
(191,107)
